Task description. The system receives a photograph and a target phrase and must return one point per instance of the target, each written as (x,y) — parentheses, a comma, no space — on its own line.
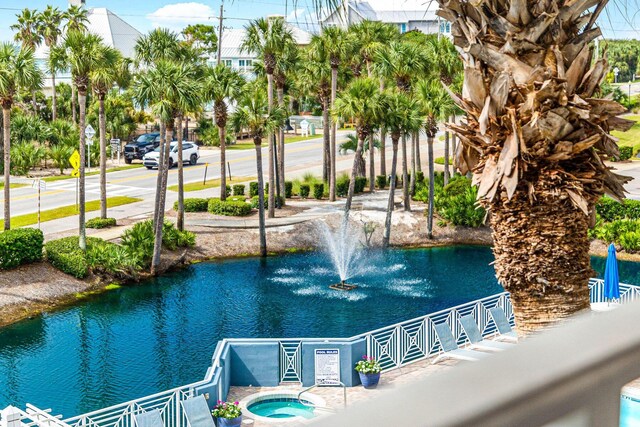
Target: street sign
(39,184)
(74,160)
(75,173)
(115,145)
(89,132)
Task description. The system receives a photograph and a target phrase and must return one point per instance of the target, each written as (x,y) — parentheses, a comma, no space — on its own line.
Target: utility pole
(220,32)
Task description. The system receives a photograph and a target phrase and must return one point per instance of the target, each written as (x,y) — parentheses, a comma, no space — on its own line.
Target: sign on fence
(327,364)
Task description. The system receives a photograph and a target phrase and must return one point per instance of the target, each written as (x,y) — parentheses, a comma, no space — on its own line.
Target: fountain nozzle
(342,286)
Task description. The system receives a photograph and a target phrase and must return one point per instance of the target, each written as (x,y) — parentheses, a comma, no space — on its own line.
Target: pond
(139,340)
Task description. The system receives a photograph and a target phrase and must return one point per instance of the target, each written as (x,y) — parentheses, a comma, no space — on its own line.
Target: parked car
(190,155)
(140,146)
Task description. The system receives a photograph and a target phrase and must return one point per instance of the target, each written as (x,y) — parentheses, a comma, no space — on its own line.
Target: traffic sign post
(74,160)
(616,70)
(115,146)
(41,186)
(89,133)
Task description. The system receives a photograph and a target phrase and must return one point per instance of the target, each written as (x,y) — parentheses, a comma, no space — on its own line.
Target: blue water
(281,408)
(140,340)
(629,412)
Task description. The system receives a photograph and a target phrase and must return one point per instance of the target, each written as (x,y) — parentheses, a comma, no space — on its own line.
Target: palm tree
(103,76)
(268,38)
(50,29)
(351,144)
(77,18)
(256,116)
(360,100)
(83,53)
(17,69)
(28,35)
(222,85)
(437,106)
(400,115)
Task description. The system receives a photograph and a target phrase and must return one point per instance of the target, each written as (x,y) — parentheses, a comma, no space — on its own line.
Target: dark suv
(140,146)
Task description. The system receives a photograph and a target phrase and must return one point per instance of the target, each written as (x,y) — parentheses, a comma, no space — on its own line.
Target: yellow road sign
(75,160)
(75,173)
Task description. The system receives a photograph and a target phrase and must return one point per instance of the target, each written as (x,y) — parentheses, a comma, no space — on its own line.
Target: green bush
(228,192)
(304,190)
(318,191)
(101,222)
(229,208)
(194,204)
(172,238)
(238,189)
(138,241)
(456,202)
(611,210)
(626,152)
(419,177)
(253,189)
(288,189)
(630,241)
(255,202)
(20,246)
(381,182)
(361,184)
(65,255)
(342,185)
(236,199)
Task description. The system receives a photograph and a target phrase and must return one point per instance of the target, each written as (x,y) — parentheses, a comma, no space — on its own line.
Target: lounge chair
(502,323)
(475,336)
(450,347)
(197,412)
(151,418)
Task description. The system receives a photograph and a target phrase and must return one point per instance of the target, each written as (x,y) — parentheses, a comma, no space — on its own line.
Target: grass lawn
(65,211)
(94,172)
(211,183)
(16,185)
(630,137)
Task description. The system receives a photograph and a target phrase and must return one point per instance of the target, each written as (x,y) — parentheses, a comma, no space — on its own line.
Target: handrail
(344,389)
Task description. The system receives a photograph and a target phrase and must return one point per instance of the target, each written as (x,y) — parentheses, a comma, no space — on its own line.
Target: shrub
(318,191)
(381,182)
(361,184)
(228,190)
(288,189)
(101,222)
(26,156)
(419,177)
(236,199)
(65,255)
(20,246)
(304,190)
(253,189)
(611,210)
(238,189)
(138,241)
(194,204)
(172,238)
(342,185)
(229,208)
(255,202)
(455,202)
(626,152)
(630,241)
(60,154)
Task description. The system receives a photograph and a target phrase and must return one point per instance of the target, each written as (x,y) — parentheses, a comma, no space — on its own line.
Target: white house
(404,15)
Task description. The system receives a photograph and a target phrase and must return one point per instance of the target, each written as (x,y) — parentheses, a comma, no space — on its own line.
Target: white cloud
(296,14)
(178,15)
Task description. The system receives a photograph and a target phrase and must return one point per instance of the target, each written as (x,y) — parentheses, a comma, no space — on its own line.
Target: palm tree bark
(54,97)
(326,139)
(446,157)
(372,166)
(431,186)
(34,104)
(82,101)
(354,173)
(280,94)
(73,103)
(405,176)
(161,198)
(418,161)
(412,184)
(392,191)
(6,134)
(383,154)
(261,221)
(163,140)
(332,176)
(272,177)
(180,219)
(102,125)
(453,146)
(222,134)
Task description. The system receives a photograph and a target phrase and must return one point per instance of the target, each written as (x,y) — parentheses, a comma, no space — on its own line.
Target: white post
(10,417)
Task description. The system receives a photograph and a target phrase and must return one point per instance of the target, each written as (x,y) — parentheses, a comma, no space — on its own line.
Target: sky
(621,18)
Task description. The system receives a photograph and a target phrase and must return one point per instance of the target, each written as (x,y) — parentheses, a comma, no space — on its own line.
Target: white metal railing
(395,346)
(31,417)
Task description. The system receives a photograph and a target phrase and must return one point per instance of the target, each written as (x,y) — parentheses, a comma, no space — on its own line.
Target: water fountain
(345,250)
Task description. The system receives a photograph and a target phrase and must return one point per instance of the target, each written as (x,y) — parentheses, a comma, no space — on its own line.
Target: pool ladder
(344,392)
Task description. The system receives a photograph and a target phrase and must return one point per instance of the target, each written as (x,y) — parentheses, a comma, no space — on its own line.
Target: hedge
(228,192)
(318,191)
(238,189)
(20,246)
(342,185)
(288,189)
(253,189)
(255,202)
(611,210)
(361,184)
(101,222)
(626,152)
(381,182)
(304,190)
(65,255)
(229,208)
(194,204)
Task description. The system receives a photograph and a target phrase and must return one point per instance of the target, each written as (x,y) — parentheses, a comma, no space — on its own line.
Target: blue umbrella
(611,278)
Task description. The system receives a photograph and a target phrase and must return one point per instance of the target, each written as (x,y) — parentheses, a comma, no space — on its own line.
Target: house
(405,16)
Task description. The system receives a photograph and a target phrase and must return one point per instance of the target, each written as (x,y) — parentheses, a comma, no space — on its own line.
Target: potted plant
(369,370)
(228,414)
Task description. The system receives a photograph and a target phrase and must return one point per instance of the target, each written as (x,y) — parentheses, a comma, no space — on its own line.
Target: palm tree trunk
(383,154)
(354,173)
(326,158)
(82,101)
(54,98)
(453,146)
(549,283)
(431,187)
(405,175)
(102,125)
(163,141)
(392,191)
(446,157)
(6,133)
(34,104)
(73,103)
(180,219)
(272,177)
(222,134)
(372,168)
(418,161)
(281,149)
(412,184)
(261,222)
(164,174)
(332,176)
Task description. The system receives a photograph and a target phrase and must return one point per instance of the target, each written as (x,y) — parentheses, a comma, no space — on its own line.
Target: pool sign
(327,363)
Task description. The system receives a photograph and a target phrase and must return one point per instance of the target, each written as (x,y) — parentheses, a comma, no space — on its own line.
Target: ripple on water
(285,271)
(288,280)
(327,293)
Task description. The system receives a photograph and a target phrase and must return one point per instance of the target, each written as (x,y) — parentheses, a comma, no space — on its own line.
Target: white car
(190,155)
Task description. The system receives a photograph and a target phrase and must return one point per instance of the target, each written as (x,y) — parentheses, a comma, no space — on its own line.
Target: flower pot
(230,422)
(369,380)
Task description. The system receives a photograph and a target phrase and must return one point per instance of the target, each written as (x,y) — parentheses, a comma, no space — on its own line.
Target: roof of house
(232,41)
(381,12)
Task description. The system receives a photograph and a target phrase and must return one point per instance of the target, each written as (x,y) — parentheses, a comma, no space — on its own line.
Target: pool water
(282,408)
(629,412)
(143,339)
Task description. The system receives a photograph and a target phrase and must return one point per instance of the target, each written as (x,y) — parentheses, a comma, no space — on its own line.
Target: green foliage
(65,255)
(255,201)
(419,177)
(101,222)
(172,238)
(194,204)
(238,190)
(624,55)
(138,241)
(630,241)
(342,185)
(304,190)
(381,182)
(361,184)
(318,191)
(60,154)
(20,246)
(229,208)
(26,156)
(253,189)
(626,152)
(611,210)
(307,179)
(456,203)
(288,189)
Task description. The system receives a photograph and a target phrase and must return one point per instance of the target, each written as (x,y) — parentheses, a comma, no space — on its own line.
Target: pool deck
(333,396)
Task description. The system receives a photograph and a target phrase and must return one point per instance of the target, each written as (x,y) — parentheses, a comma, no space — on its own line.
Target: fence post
(10,417)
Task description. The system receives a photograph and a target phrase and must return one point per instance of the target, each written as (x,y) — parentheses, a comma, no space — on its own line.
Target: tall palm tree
(17,69)
(256,116)
(76,18)
(83,53)
(103,77)
(400,115)
(268,38)
(28,35)
(50,29)
(360,101)
(222,86)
